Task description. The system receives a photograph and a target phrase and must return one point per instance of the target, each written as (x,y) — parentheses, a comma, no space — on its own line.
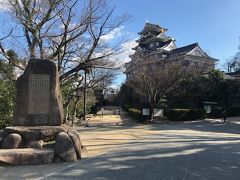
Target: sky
(214,24)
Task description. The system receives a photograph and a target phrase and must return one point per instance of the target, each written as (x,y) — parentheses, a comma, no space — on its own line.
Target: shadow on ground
(201,150)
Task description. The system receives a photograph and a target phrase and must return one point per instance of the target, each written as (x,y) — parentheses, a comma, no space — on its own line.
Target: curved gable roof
(184,49)
(188,49)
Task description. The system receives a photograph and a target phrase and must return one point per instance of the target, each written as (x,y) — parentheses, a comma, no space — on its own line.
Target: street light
(84,93)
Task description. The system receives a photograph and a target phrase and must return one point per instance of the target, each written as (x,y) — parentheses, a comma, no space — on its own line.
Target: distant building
(155,47)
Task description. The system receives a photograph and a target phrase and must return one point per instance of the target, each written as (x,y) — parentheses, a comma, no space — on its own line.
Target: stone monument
(38,101)
(38,118)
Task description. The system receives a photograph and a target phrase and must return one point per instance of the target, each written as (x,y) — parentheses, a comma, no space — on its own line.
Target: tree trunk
(75,111)
(66,114)
(151,112)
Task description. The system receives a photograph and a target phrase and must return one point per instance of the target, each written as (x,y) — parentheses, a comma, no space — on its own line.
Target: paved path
(206,150)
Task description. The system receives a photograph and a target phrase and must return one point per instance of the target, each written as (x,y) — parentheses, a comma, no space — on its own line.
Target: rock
(1,132)
(75,137)
(38,100)
(45,133)
(57,159)
(34,144)
(2,135)
(11,141)
(26,133)
(27,156)
(64,148)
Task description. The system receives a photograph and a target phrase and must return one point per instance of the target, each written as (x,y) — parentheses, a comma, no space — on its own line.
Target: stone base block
(26,156)
(64,148)
(75,137)
(11,141)
(34,144)
(36,133)
(2,135)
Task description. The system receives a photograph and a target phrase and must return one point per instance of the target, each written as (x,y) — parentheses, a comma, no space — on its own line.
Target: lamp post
(84,93)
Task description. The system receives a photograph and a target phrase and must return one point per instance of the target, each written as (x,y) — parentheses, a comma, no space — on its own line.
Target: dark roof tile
(184,49)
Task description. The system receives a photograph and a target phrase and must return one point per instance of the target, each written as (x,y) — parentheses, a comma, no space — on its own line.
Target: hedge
(234,111)
(217,112)
(134,113)
(185,114)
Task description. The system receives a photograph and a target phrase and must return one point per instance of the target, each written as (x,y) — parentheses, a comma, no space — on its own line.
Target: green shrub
(217,112)
(233,111)
(134,113)
(126,107)
(7,98)
(185,114)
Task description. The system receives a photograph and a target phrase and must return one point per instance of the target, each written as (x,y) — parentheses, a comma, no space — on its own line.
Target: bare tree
(155,82)
(73,89)
(232,64)
(69,32)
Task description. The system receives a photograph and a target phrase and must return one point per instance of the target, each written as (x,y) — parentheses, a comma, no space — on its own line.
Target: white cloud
(114,86)
(71,26)
(122,58)
(114,34)
(126,50)
(4,5)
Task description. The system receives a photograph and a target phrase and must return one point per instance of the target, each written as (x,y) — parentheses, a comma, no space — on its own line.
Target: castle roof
(188,49)
(166,43)
(162,44)
(184,49)
(152,27)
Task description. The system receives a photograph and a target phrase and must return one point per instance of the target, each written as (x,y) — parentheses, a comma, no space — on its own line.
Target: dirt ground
(119,149)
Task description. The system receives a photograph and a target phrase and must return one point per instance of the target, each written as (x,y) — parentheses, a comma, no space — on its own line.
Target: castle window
(151,45)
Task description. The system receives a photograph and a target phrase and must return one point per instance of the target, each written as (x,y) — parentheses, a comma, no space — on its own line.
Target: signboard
(145,112)
(208,108)
(157,112)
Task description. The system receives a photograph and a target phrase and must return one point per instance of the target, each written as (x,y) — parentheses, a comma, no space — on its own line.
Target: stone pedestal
(36,133)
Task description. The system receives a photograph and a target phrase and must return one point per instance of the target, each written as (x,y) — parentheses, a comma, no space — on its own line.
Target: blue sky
(214,24)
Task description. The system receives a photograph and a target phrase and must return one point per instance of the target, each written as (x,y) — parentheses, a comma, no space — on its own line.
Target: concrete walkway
(121,150)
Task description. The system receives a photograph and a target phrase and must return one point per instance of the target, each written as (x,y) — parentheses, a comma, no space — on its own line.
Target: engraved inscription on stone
(39,85)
